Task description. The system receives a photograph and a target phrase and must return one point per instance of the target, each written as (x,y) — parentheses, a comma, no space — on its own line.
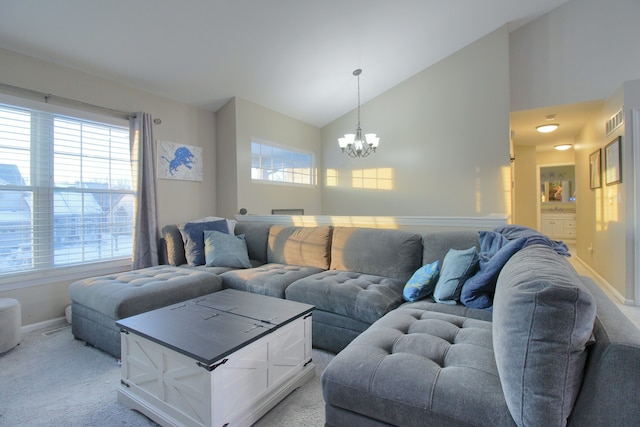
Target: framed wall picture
(595,169)
(179,161)
(612,161)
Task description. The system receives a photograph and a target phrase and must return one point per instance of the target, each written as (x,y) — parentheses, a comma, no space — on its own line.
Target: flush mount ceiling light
(562,147)
(550,127)
(547,128)
(353,144)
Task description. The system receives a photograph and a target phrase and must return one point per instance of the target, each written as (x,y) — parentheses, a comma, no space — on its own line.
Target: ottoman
(97,302)
(10,324)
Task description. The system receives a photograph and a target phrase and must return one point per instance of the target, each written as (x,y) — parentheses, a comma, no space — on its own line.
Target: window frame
(66,272)
(313,170)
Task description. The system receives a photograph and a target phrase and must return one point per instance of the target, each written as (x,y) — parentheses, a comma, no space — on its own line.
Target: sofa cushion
(269,279)
(436,244)
(543,318)
(308,246)
(256,234)
(379,252)
(225,250)
(193,238)
(457,267)
(422,283)
(364,297)
(173,245)
(415,367)
(128,293)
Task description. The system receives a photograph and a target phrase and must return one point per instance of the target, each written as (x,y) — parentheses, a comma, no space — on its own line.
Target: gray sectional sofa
(551,350)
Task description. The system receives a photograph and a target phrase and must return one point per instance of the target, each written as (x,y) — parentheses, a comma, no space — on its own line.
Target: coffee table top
(212,326)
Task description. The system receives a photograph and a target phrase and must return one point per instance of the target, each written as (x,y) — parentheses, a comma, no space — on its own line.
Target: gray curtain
(143,165)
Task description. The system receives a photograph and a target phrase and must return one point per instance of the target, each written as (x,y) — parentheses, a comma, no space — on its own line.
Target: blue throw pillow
(422,282)
(193,238)
(457,267)
(225,250)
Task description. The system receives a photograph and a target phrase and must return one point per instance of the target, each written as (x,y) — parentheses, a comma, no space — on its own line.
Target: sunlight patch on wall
(506,185)
(599,211)
(331,178)
(373,179)
(611,206)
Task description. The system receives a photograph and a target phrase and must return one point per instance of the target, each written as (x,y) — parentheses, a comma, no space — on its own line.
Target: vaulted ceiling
(295,57)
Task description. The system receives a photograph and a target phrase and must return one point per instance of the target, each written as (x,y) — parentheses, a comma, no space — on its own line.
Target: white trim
(486,222)
(61,274)
(45,325)
(16,101)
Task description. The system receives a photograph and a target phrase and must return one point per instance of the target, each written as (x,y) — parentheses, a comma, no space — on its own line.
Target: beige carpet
(51,379)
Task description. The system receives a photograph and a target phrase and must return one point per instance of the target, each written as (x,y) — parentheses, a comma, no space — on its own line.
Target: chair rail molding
(400,222)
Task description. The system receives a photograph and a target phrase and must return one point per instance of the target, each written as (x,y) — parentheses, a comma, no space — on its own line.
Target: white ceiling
(291,56)
(571,119)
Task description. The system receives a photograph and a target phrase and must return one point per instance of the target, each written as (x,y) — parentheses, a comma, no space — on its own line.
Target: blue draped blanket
(496,247)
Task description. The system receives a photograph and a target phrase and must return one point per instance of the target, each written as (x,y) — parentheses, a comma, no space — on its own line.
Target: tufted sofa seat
(97,302)
(269,279)
(415,365)
(360,296)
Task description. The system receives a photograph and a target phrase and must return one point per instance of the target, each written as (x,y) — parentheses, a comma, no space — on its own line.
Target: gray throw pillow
(225,250)
(193,238)
(457,267)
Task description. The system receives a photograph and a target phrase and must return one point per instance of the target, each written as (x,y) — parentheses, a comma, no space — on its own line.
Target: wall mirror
(557,184)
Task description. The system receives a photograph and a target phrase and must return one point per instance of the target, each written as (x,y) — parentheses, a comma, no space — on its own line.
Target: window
(282,165)
(66,193)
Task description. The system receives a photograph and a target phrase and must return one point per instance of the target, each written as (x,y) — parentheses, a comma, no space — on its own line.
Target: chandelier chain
(358,99)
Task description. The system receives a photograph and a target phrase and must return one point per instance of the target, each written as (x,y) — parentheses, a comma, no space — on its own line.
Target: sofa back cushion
(256,234)
(543,318)
(380,252)
(173,245)
(306,246)
(436,244)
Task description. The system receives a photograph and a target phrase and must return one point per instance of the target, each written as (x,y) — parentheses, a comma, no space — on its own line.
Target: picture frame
(595,169)
(612,161)
(179,161)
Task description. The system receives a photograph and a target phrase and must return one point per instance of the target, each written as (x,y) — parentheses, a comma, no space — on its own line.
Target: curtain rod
(62,100)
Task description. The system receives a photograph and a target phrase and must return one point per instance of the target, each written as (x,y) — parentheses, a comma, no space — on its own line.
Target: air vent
(614,122)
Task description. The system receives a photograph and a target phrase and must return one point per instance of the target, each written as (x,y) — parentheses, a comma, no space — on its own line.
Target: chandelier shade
(354,144)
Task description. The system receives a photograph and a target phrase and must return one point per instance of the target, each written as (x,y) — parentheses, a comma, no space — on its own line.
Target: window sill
(70,274)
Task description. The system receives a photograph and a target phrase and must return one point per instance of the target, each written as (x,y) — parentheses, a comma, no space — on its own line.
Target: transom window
(278,164)
(66,193)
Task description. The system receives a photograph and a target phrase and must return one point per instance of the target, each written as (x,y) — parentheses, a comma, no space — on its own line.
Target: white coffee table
(223,359)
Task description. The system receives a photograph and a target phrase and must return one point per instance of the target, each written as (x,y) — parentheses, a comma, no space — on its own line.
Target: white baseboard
(46,325)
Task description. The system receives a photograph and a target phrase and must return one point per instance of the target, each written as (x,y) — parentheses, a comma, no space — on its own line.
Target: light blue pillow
(193,238)
(422,282)
(457,267)
(225,250)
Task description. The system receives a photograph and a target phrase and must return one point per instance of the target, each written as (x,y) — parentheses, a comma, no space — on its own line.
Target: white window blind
(66,193)
(282,165)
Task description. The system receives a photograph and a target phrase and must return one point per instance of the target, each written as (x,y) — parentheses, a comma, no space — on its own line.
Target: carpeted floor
(51,379)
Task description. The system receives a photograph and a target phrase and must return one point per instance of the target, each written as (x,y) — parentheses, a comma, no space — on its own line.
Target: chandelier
(353,144)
